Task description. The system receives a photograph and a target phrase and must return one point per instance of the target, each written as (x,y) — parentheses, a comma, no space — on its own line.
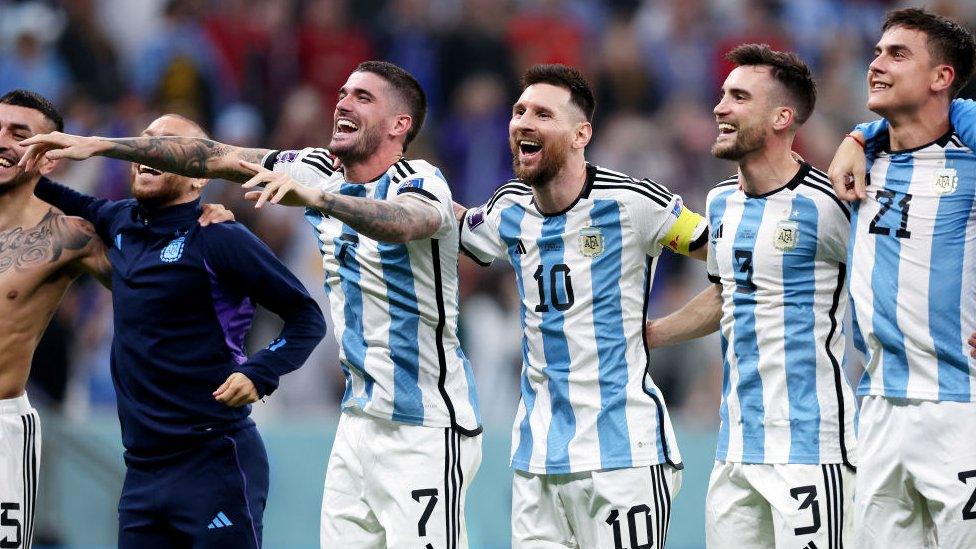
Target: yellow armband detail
(682,232)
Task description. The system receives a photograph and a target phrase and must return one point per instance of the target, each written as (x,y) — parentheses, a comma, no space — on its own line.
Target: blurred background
(266,72)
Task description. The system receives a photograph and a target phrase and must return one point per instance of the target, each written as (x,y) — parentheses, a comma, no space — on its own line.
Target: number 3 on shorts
(809,501)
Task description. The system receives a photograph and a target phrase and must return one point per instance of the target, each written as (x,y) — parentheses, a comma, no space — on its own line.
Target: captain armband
(686,232)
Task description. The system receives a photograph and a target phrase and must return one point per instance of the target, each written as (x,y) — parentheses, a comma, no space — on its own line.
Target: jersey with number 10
(394,306)
(583,278)
(913,254)
(780,259)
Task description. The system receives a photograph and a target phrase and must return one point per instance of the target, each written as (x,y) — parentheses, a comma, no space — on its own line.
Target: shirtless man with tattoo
(408,442)
(41,252)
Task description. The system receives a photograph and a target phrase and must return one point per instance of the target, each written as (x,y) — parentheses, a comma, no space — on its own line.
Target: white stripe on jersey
(780,259)
(913,257)
(583,277)
(394,306)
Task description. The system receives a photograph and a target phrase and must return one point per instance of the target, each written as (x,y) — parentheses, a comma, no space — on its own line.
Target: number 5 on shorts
(425,493)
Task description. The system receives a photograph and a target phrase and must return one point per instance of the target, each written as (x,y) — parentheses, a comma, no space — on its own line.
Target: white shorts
(395,485)
(916,485)
(20,457)
(610,509)
(786,505)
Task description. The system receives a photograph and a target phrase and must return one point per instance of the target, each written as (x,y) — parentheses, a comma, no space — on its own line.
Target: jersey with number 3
(913,260)
(394,306)
(780,259)
(583,278)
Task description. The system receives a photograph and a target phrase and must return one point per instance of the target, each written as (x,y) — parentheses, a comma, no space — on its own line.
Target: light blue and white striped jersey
(583,278)
(913,265)
(781,260)
(394,306)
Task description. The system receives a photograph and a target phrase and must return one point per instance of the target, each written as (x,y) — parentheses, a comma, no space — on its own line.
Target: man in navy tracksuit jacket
(184,296)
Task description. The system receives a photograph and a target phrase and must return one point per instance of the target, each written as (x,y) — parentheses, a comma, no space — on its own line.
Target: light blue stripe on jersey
(884,281)
(799,288)
(744,342)
(945,289)
(408,401)
(716,212)
(555,347)
(611,345)
(509,229)
(472,391)
(353,342)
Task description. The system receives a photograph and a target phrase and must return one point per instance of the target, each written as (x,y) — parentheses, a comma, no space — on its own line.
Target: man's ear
(784,118)
(943,78)
(584,132)
(401,125)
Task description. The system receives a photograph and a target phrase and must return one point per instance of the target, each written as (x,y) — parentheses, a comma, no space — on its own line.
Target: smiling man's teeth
(346,125)
(5,163)
(528,143)
(725,127)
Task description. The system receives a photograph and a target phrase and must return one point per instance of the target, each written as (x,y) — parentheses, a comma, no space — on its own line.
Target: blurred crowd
(265,73)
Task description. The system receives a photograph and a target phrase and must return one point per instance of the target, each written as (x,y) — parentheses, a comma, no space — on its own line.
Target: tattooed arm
(401,219)
(189,156)
(94,258)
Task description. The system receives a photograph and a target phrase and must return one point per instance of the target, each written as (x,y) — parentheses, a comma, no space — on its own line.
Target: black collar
(791,184)
(170,215)
(942,141)
(584,193)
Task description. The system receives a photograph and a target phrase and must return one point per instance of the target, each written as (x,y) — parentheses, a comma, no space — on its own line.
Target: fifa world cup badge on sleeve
(945,181)
(590,241)
(787,235)
(476,216)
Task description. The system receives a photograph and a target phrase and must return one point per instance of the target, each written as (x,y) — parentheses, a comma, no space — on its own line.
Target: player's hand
(972,344)
(214,213)
(458,211)
(237,391)
(279,188)
(848,168)
(650,335)
(57,145)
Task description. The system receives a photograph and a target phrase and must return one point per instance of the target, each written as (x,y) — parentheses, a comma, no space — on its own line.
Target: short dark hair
(36,101)
(565,77)
(948,42)
(407,87)
(786,68)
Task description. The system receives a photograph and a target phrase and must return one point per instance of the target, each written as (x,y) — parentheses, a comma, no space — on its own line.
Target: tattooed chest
(22,249)
(44,243)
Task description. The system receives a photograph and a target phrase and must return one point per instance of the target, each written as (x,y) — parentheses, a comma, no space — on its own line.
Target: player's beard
(552,158)
(161,192)
(359,150)
(747,139)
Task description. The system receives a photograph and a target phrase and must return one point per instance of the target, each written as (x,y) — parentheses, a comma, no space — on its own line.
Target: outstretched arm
(699,317)
(189,156)
(401,219)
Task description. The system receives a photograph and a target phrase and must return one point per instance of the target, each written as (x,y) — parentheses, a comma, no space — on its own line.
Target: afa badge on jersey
(590,241)
(173,251)
(945,181)
(787,235)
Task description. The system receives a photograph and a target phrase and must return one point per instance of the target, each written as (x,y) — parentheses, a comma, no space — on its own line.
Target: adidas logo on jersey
(219,521)
(520,248)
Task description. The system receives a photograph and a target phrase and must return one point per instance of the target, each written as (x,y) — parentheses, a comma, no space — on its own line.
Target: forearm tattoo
(381,220)
(44,243)
(189,156)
